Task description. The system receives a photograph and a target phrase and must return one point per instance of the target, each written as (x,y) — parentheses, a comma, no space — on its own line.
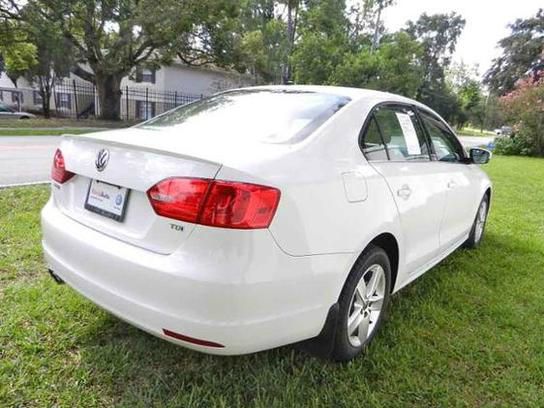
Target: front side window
(258,115)
(400,132)
(445,145)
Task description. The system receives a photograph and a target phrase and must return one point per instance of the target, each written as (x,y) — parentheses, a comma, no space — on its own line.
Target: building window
(1,95)
(17,97)
(64,100)
(145,75)
(37,98)
(145,110)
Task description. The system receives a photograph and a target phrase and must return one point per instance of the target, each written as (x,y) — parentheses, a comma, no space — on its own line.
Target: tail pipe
(56,277)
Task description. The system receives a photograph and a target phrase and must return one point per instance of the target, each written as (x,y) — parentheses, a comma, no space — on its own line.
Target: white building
(145,92)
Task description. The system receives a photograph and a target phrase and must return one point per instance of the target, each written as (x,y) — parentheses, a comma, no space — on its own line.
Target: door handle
(452,184)
(404,192)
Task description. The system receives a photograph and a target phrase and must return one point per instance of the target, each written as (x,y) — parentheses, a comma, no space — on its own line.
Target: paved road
(27,159)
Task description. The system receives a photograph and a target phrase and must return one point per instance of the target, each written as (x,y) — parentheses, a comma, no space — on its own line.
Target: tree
(438,35)
(380,6)
(113,37)
(54,55)
(522,50)
(322,43)
(394,67)
(17,54)
(463,81)
(524,106)
(264,45)
(18,59)
(292,9)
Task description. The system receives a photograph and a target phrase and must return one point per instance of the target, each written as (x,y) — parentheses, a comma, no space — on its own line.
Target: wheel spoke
(373,283)
(363,328)
(376,304)
(354,321)
(361,290)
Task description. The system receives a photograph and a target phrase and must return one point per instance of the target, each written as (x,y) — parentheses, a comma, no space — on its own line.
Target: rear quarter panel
(315,215)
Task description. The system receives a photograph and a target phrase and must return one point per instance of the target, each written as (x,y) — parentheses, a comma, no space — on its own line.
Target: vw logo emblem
(102,159)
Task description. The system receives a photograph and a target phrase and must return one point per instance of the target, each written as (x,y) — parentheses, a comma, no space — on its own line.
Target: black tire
(343,349)
(474,239)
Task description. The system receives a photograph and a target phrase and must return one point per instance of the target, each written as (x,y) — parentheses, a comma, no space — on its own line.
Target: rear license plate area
(107,199)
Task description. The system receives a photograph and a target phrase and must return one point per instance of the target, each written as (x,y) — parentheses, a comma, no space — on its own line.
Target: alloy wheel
(480,221)
(366,305)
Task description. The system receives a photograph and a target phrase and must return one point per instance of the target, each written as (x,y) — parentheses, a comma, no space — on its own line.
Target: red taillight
(215,203)
(179,198)
(58,171)
(239,205)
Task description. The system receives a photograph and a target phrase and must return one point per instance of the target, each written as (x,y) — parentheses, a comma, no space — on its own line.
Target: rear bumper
(233,288)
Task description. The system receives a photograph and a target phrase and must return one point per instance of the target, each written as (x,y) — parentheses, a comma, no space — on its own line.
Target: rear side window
(400,133)
(373,145)
(263,115)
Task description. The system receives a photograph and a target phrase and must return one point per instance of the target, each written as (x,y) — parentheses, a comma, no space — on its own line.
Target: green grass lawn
(468,333)
(41,122)
(56,126)
(468,131)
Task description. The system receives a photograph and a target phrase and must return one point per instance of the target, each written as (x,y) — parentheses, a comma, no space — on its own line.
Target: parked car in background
(263,216)
(504,131)
(9,113)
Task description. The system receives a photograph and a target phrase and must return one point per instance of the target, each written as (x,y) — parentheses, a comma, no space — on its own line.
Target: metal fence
(79,100)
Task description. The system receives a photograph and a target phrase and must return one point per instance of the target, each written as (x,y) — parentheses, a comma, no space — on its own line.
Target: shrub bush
(524,106)
(512,146)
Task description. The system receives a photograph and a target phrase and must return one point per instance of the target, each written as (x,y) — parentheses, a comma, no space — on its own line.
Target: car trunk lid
(138,159)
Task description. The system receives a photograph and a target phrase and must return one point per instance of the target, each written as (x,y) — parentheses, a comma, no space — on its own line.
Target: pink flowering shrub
(524,107)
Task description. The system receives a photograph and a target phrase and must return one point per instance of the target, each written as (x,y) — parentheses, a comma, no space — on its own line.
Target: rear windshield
(270,116)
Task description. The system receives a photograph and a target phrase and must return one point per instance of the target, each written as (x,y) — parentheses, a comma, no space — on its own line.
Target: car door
(450,162)
(395,144)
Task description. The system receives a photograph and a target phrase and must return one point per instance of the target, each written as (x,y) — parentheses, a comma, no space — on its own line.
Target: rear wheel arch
(488,194)
(389,244)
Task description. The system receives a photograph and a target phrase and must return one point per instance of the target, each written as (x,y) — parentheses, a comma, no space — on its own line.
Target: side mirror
(479,155)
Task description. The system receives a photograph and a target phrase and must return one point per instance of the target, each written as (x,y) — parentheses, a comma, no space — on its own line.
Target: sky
(486,23)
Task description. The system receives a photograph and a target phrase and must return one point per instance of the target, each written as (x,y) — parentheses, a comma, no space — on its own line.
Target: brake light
(58,171)
(215,203)
(179,198)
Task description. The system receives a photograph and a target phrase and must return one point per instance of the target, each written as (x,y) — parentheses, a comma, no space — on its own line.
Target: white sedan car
(263,216)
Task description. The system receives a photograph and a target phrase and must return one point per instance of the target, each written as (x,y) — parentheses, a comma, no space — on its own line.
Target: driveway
(26,159)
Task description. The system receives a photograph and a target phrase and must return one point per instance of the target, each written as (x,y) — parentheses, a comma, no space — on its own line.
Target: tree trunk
(46,102)
(376,37)
(109,95)
(292,12)
(46,84)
